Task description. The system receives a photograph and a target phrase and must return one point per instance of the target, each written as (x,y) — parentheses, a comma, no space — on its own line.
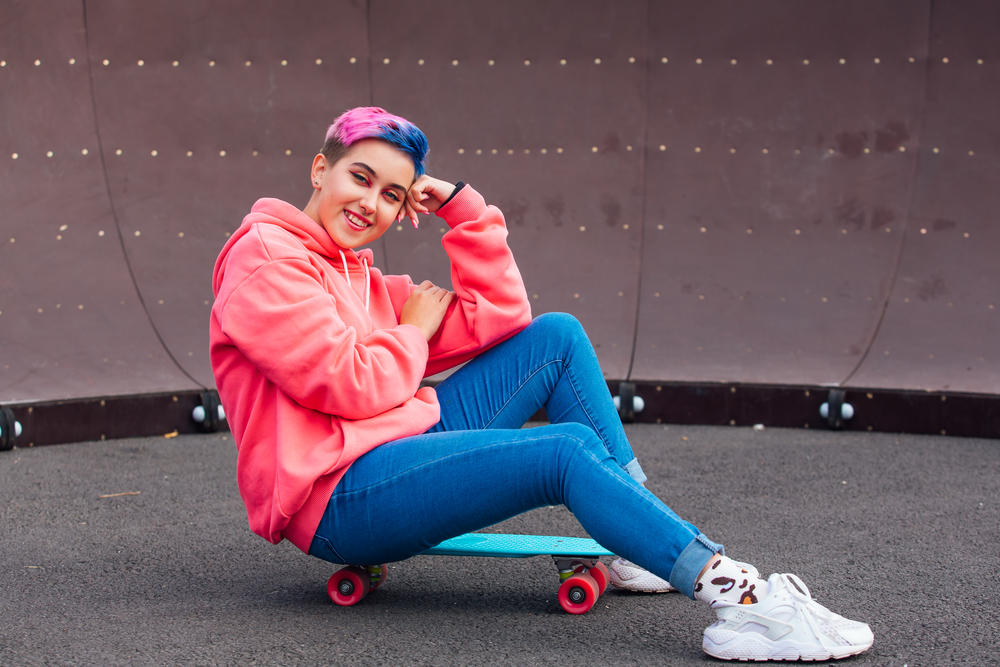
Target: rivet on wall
(510,151)
(319,61)
(805,62)
(84,151)
(544,151)
(732,150)
(972,152)
(697,61)
(454,63)
(597,61)
(764,151)
(100,233)
(936,149)
(770,62)
(628,148)
(527,151)
(38,63)
(105,63)
(902,149)
(527,62)
(13,156)
(491,63)
(697,149)
(559,150)
(944,60)
(288,151)
(733,61)
(923,230)
(702,229)
(222,153)
(180,234)
(831,151)
(138,233)
(420,62)
(353,60)
(660,227)
(878,60)
(153,153)
(562,62)
(284,63)
(664,60)
(246,64)
(843,61)
(3,63)
(176,63)
(867,150)
(593,149)
(583,229)
(631,59)
(190,153)
(912,59)
(49,154)
(479,151)
(254,153)
(141,63)
(494,151)
(798,231)
(980,61)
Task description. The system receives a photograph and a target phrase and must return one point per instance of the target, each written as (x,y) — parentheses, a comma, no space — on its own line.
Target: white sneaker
(627,576)
(786,624)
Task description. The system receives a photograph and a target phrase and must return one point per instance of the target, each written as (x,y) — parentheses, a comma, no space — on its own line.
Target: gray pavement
(902,532)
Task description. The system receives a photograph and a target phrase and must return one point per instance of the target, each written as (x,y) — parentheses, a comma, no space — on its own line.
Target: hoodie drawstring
(368,278)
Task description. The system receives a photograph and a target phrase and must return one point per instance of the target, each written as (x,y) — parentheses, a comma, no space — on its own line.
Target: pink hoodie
(310,379)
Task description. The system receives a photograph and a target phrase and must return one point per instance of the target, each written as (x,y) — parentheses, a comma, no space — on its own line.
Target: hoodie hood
(309,232)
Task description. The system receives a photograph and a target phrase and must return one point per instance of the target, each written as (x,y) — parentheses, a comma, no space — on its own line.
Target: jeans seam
(520,386)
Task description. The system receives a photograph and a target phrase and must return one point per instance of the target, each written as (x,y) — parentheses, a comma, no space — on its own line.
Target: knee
(582,438)
(560,325)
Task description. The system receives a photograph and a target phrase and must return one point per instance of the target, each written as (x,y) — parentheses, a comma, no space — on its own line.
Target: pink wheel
(601,576)
(578,594)
(347,587)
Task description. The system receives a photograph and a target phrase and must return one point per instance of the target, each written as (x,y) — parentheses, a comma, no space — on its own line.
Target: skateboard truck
(583,581)
(627,403)
(209,414)
(836,410)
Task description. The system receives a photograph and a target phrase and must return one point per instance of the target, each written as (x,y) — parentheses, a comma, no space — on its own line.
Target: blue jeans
(477,467)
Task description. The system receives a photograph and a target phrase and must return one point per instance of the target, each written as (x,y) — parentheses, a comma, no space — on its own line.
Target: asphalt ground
(902,532)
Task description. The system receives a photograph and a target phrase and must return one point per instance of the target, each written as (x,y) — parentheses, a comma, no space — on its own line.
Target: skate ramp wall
(776,193)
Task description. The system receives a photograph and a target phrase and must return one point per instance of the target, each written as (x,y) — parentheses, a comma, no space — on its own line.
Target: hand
(426,195)
(426,307)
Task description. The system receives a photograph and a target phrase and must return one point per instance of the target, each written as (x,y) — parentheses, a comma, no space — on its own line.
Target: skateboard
(584,578)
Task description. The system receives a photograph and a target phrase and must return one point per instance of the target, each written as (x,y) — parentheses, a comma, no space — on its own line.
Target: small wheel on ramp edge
(578,594)
(348,586)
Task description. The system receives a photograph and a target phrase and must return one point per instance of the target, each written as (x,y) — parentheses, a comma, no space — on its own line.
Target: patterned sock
(730,581)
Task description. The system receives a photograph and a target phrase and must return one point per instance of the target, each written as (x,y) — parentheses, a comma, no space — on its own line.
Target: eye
(361,178)
(391,196)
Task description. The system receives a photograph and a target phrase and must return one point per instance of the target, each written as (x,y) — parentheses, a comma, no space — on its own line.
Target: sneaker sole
(634,586)
(758,648)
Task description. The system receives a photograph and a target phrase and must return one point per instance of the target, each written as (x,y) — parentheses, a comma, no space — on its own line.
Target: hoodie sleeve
(491,302)
(287,325)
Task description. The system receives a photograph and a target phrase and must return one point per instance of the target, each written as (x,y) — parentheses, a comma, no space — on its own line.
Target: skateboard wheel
(578,594)
(349,586)
(601,576)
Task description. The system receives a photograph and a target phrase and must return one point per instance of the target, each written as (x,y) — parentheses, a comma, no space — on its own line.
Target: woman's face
(358,198)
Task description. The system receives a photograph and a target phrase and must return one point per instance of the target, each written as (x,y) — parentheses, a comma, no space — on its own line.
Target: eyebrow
(374,175)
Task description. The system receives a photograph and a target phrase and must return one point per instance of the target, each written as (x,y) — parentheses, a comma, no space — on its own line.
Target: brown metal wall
(774,192)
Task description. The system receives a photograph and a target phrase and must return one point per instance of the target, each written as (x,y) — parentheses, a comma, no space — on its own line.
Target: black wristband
(458,188)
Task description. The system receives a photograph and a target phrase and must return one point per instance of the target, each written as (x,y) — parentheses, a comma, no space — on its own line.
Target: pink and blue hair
(375,123)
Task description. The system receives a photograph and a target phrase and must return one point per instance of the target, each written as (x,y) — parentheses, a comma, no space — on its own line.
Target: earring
(315,182)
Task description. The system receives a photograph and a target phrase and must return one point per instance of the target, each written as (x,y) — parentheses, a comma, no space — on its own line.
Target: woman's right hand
(426,307)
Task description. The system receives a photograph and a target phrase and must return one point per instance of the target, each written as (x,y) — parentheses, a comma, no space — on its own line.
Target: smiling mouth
(357,221)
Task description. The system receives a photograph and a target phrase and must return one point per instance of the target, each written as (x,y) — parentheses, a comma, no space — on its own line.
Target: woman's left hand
(426,195)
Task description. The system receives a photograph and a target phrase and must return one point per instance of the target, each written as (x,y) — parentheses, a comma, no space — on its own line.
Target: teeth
(355,220)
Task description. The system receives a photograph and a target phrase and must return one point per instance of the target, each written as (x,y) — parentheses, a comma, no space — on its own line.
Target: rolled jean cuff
(635,471)
(691,562)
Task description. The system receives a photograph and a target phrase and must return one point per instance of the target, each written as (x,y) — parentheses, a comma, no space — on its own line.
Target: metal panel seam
(921,114)
(643,167)
(111,199)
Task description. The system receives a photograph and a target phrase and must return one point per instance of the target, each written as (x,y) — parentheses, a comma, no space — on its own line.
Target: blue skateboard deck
(494,545)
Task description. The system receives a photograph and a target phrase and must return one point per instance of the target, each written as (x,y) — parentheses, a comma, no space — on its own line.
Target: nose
(369,203)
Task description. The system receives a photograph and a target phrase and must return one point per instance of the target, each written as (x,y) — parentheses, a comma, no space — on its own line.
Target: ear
(318,171)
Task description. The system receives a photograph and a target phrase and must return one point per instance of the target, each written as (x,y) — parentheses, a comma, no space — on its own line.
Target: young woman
(318,358)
